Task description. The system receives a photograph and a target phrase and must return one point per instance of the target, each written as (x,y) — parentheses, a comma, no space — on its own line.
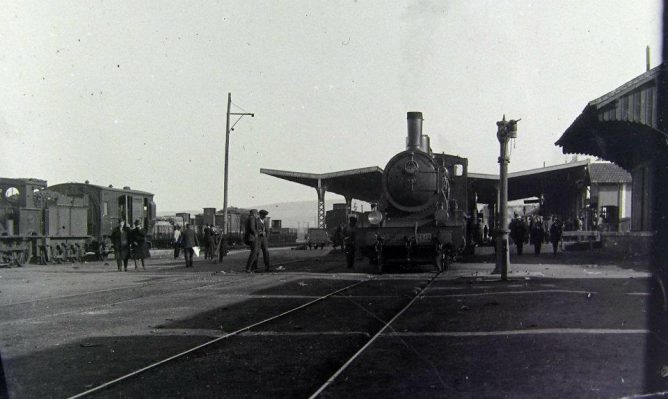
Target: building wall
(614,194)
(625,207)
(608,195)
(640,199)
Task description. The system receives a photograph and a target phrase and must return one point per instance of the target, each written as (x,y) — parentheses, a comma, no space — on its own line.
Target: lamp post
(506,130)
(227,154)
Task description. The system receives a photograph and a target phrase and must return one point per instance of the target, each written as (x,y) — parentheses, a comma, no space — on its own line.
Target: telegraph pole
(505,132)
(227,155)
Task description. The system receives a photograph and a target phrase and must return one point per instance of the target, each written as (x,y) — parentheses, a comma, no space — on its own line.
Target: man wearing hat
(263,243)
(250,238)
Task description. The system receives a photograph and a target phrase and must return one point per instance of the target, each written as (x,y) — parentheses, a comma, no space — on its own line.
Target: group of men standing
(535,232)
(255,235)
(129,242)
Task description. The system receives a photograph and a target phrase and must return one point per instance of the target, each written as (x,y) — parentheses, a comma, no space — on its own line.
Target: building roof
(362,183)
(366,183)
(604,172)
(88,186)
(622,126)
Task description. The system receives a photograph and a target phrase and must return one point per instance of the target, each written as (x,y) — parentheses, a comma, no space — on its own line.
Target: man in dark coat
(556,231)
(250,239)
(257,233)
(350,241)
(518,232)
(537,235)
(188,241)
(263,241)
(211,245)
(138,239)
(205,241)
(120,238)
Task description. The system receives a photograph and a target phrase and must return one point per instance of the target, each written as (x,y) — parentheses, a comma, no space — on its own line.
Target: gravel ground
(575,325)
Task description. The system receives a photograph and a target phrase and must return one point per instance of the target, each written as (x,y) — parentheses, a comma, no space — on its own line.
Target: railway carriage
(65,221)
(109,204)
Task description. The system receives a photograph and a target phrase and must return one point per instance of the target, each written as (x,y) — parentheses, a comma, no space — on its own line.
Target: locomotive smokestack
(414,138)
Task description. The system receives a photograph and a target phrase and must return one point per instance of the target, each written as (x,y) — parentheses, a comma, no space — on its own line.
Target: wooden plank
(643,105)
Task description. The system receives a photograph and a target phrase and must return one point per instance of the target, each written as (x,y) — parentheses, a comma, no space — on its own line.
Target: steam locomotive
(421,216)
(63,222)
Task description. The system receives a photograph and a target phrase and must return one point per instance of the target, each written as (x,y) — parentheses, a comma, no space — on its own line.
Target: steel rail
(213,341)
(371,341)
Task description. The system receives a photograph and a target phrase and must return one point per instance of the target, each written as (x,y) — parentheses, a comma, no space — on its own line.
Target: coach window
(105,208)
(459,169)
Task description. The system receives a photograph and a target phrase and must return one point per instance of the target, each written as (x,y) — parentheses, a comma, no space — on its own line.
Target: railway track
(280,323)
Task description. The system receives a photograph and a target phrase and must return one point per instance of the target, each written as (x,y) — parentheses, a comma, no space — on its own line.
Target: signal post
(506,130)
(227,154)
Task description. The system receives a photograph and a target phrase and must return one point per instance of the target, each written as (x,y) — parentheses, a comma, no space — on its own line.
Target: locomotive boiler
(421,214)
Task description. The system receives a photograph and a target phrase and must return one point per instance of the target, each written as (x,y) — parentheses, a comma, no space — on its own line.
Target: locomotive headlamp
(375,217)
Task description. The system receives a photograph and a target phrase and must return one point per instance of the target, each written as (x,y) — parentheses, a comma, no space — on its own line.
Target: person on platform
(177,241)
(537,234)
(518,232)
(349,241)
(263,241)
(221,244)
(211,245)
(138,239)
(120,238)
(188,241)
(556,231)
(250,239)
(205,241)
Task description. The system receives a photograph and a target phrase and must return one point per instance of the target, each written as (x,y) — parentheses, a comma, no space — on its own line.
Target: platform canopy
(363,184)
(621,126)
(366,183)
(550,181)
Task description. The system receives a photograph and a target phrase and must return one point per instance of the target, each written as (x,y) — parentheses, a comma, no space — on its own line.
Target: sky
(135,93)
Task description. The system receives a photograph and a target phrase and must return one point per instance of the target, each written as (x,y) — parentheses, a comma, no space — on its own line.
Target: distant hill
(292,214)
